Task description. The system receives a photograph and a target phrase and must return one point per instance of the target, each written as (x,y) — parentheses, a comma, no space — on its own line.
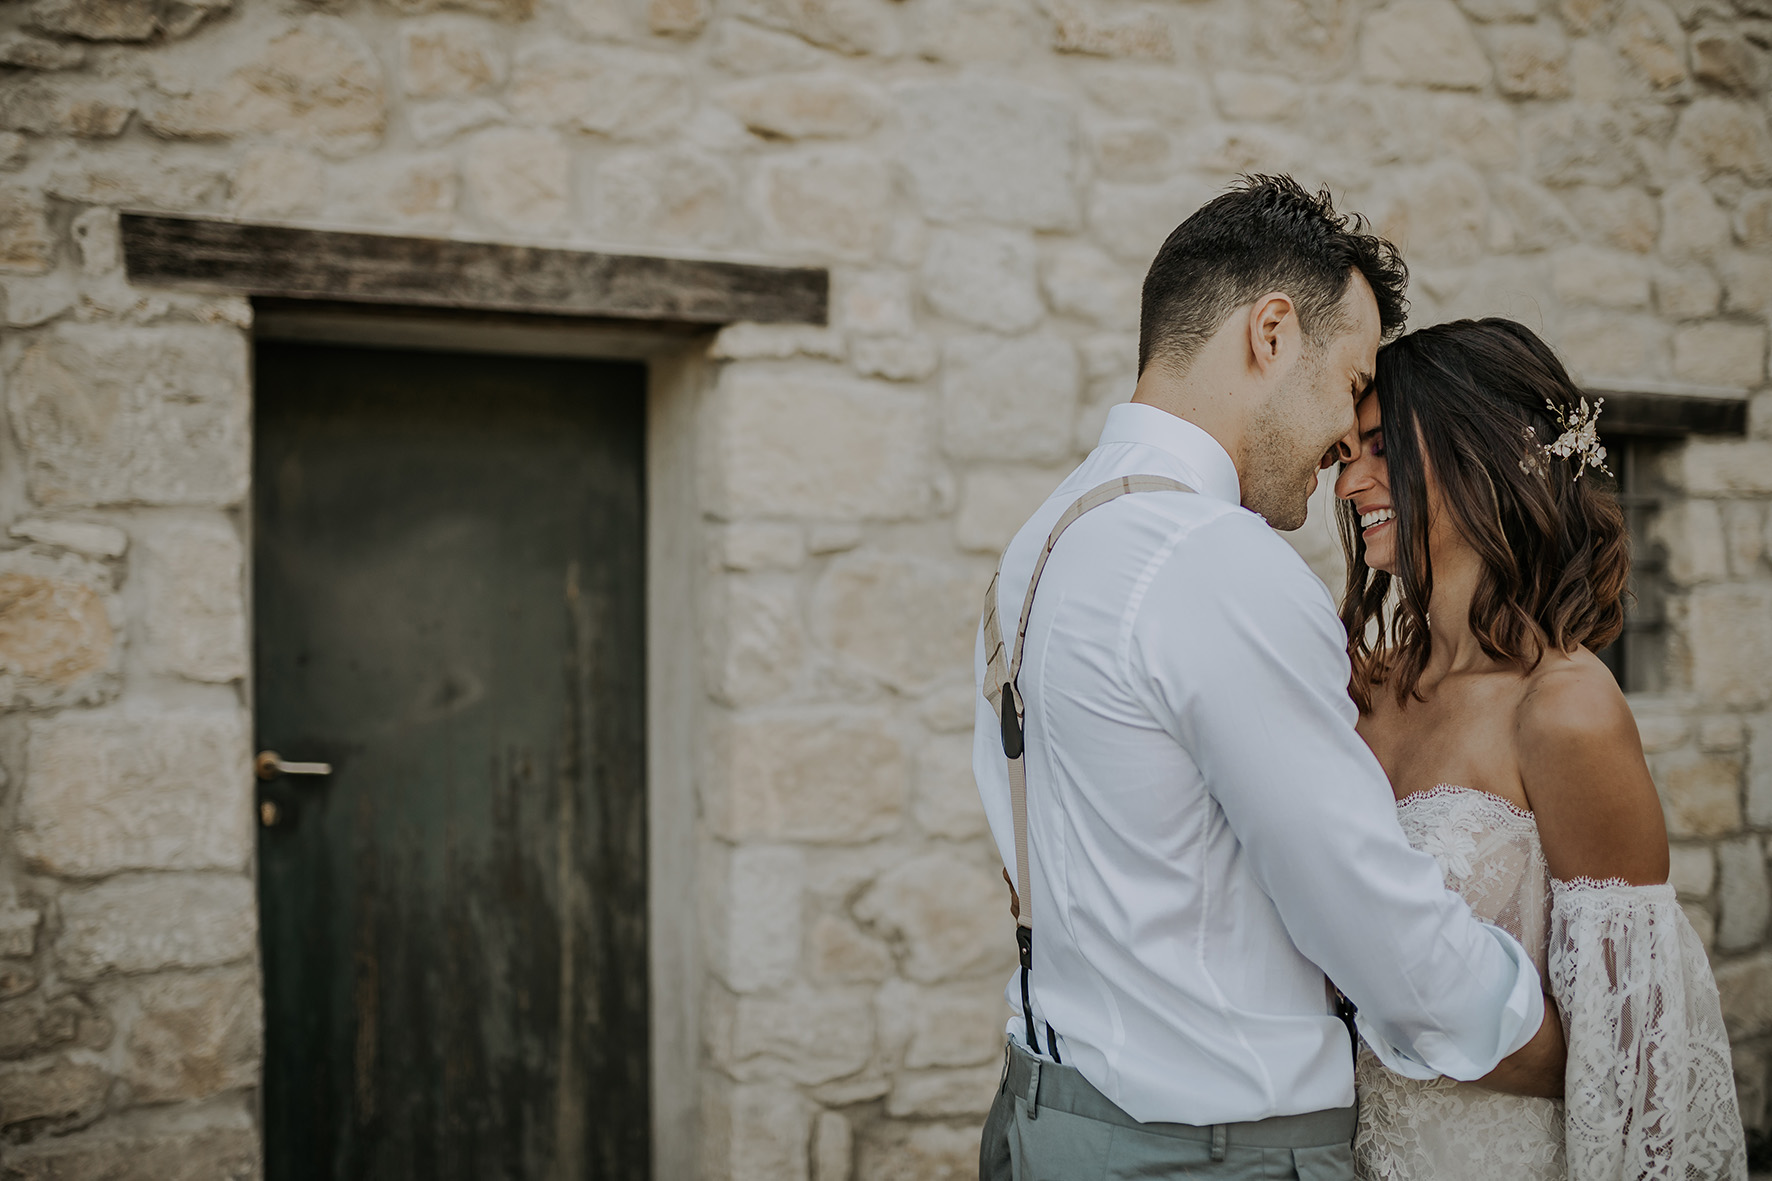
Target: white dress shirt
(1209,835)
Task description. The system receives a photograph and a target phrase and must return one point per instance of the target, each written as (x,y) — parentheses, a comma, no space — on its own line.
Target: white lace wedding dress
(1650,1094)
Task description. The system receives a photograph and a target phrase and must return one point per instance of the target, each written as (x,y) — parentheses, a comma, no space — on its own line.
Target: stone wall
(986,180)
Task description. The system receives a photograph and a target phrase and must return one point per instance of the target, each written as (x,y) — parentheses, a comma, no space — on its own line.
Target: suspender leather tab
(1001,680)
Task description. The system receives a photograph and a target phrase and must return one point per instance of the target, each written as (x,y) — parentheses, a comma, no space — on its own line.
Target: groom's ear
(1273,332)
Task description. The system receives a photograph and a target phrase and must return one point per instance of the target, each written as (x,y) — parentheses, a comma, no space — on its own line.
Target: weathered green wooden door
(448,578)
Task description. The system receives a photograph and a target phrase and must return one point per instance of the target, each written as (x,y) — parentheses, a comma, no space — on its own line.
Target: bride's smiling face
(1365,483)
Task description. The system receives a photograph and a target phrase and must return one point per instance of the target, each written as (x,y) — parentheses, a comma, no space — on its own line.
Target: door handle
(270,764)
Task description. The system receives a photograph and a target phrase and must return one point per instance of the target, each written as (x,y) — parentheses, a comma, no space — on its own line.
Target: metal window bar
(1638,658)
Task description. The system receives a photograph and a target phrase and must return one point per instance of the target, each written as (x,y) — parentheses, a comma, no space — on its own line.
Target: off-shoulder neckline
(1444,789)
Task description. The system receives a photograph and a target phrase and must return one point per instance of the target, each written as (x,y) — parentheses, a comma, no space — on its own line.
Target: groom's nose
(1346,450)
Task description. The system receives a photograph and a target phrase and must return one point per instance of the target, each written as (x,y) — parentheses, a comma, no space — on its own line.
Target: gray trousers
(1048,1123)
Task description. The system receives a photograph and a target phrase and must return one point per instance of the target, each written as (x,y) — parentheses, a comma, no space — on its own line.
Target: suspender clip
(1024,940)
(1012,744)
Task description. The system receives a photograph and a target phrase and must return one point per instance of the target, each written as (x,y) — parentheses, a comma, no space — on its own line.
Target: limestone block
(1753,219)
(1662,731)
(745,48)
(983,277)
(60,628)
(962,31)
(947,794)
(95,234)
(1692,870)
(1581,146)
(417,192)
(1747,284)
(1693,226)
(193,574)
(1716,136)
(443,56)
(1746,988)
(159,178)
(68,1093)
(16,980)
(909,621)
(766,1129)
(833,1148)
(1744,898)
(755,645)
(760,545)
(1596,72)
(1744,527)
(1133,221)
(35,1026)
(1759,772)
(992,151)
(663,196)
(192,1036)
(12,151)
(945,915)
(1307,39)
(755,342)
(1009,399)
(849,26)
(755,942)
(809,446)
(443,119)
(1608,278)
(1751,1079)
(112,791)
(1438,214)
(1720,733)
(97,20)
(1729,632)
(1531,61)
(35,300)
(109,414)
(278,182)
(151,922)
(27,246)
(1722,58)
(172,1150)
(1627,218)
(807,1037)
(677,18)
(1703,925)
(1131,151)
(1648,34)
(40,53)
(834,200)
(1422,43)
(804,106)
(319,80)
(518,177)
(1700,794)
(1500,10)
(995,503)
(948,1025)
(900,1151)
(1259,97)
(1079,26)
(895,358)
(18,932)
(1161,94)
(965,1091)
(1601,346)
(622,93)
(877,303)
(842,953)
(92,538)
(1536,218)
(1692,532)
(1720,353)
(1724,466)
(1081,281)
(86,109)
(825,777)
(1687,293)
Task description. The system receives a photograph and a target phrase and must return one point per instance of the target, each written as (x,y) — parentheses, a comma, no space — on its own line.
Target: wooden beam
(1671,415)
(293,263)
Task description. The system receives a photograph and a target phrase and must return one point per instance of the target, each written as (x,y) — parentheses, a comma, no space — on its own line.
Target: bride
(1487,560)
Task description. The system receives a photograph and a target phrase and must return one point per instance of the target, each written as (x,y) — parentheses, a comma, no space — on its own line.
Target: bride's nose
(1353,478)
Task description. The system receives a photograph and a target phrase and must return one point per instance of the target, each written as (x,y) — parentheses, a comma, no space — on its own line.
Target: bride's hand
(1536,1068)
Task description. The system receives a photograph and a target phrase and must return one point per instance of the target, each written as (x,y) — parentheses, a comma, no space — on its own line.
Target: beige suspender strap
(1003,666)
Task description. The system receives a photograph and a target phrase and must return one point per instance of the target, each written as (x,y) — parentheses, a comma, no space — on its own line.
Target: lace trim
(1606,885)
(1440,790)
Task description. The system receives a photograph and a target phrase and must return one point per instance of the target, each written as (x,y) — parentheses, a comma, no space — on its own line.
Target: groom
(1207,835)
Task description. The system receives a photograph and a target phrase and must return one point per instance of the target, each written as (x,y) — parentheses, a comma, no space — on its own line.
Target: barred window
(1638,658)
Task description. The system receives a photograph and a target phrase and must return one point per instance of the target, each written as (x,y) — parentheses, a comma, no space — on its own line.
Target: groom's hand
(1536,1068)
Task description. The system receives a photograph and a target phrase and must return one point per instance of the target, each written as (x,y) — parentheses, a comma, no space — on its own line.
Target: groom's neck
(1203,396)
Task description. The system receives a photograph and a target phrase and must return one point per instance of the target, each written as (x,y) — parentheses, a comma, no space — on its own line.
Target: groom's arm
(1240,656)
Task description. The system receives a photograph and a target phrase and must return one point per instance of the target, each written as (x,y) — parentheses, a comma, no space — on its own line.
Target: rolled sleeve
(1240,657)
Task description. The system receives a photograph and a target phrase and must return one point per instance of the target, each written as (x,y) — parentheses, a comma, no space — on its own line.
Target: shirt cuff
(1436,1053)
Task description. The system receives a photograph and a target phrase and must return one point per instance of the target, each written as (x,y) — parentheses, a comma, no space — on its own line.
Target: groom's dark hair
(1266,234)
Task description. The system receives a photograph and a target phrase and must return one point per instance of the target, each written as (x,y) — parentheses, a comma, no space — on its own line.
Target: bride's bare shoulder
(1581,762)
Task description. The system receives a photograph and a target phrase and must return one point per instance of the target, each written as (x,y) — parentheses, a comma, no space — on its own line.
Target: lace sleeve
(1650,1093)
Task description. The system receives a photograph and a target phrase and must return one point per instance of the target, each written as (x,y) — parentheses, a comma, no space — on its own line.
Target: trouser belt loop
(1221,1140)
(1033,1095)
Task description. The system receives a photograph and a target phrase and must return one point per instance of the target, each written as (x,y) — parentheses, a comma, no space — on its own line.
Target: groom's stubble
(1286,439)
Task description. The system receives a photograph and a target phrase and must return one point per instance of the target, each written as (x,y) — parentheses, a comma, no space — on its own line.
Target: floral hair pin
(1580,439)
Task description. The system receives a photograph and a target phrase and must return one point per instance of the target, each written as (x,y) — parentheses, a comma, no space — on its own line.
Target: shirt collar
(1210,463)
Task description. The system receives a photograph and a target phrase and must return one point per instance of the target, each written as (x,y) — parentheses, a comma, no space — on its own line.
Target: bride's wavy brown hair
(1467,402)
